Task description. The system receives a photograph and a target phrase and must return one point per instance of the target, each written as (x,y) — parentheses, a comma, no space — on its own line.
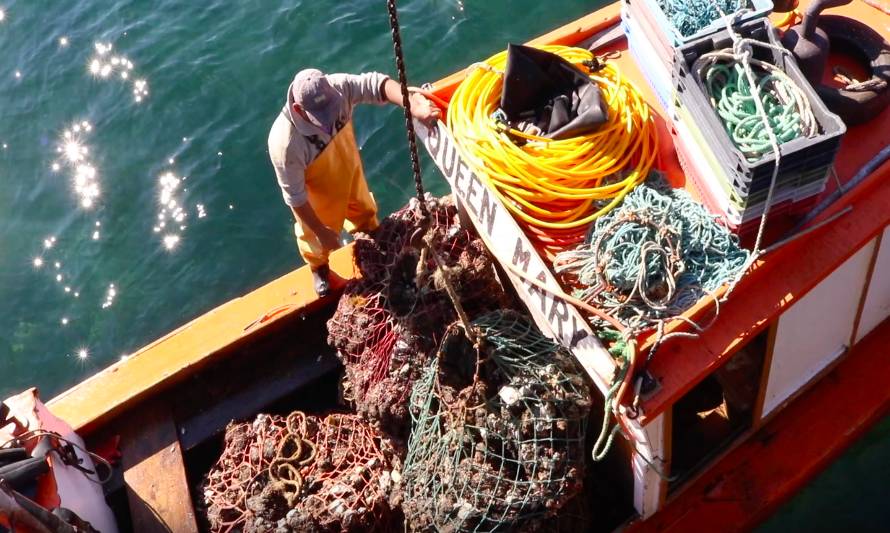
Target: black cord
(97,460)
(406,103)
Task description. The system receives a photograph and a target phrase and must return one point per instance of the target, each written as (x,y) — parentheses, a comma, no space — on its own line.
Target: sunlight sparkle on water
(109,296)
(2,15)
(64,320)
(74,155)
(83,354)
(171,241)
(38,262)
(140,90)
(63,41)
(104,65)
(171,207)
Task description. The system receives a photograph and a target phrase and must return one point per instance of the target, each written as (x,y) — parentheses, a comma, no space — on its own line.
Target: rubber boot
(321,280)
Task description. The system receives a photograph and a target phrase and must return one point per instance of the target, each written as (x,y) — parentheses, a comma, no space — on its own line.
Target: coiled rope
(652,258)
(690,16)
(732,95)
(555,188)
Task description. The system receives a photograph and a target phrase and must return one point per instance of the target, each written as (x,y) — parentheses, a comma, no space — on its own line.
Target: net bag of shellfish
(388,324)
(393,262)
(302,473)
(497,441)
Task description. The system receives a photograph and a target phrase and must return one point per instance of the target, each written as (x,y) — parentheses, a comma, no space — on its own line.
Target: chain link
(406,102)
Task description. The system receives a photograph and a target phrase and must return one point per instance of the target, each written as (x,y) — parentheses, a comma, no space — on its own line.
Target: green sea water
(160,203)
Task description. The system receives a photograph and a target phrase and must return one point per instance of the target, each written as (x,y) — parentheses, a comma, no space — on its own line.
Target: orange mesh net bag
(388,324)
(302,473)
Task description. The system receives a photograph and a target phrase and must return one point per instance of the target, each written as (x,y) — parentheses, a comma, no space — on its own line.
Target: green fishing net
(497,440)
(652,257)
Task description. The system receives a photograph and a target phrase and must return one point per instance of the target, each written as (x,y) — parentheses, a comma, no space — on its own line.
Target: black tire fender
(855,38)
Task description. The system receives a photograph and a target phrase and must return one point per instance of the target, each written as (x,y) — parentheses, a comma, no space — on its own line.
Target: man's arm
(329,239)
(374,87)
(421,108)
(289,164)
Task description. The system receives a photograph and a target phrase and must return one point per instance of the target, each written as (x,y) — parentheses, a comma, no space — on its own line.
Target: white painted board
(816,330)
(507,242)
(877,301)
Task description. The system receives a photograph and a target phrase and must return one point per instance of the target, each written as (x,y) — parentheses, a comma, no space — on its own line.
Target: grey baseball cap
(312,91)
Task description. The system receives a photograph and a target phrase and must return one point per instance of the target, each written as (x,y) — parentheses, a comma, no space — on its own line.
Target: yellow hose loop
(555,184)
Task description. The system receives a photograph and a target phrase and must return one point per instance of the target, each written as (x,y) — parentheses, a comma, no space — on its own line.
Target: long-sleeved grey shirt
(290,148)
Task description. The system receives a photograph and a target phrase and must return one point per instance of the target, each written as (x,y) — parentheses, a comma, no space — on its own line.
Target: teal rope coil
(653,257)
(690,16)
(732,95)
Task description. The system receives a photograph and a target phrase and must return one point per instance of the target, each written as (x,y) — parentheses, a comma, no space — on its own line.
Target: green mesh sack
(497,440)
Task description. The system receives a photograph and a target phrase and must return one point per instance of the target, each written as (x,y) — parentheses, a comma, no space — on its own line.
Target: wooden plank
(180,353)
(510,247)
(154,473)
(749,483)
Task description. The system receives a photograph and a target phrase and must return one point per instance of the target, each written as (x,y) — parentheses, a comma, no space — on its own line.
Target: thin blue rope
(653,257)
(690,16)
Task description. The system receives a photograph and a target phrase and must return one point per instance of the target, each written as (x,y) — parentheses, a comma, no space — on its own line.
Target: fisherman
(312,147)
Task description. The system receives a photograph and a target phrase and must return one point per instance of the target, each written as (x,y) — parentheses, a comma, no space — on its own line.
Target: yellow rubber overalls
(338,193)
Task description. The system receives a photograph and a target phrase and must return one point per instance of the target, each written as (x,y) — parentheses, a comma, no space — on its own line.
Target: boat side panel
(753,480)
(816,330)
(651,448)
(877,302)
(774,284)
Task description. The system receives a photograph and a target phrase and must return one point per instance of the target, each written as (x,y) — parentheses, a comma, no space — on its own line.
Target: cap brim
(324,117)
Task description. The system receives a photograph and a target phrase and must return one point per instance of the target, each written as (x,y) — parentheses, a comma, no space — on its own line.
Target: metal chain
(406,103)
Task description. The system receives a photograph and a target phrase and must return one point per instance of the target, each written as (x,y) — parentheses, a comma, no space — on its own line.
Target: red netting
(240,472)
(348,485)
(363,331)
(388,323)
(302,474)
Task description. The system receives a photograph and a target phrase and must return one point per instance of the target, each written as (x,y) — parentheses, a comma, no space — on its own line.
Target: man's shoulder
(281,134)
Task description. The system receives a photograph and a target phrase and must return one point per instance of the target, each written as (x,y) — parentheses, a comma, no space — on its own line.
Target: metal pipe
(860,176)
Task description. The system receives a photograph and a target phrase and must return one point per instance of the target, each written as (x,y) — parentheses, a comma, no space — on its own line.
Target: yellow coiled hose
(555,188)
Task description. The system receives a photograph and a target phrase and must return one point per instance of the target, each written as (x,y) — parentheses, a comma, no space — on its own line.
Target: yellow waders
(338,193)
